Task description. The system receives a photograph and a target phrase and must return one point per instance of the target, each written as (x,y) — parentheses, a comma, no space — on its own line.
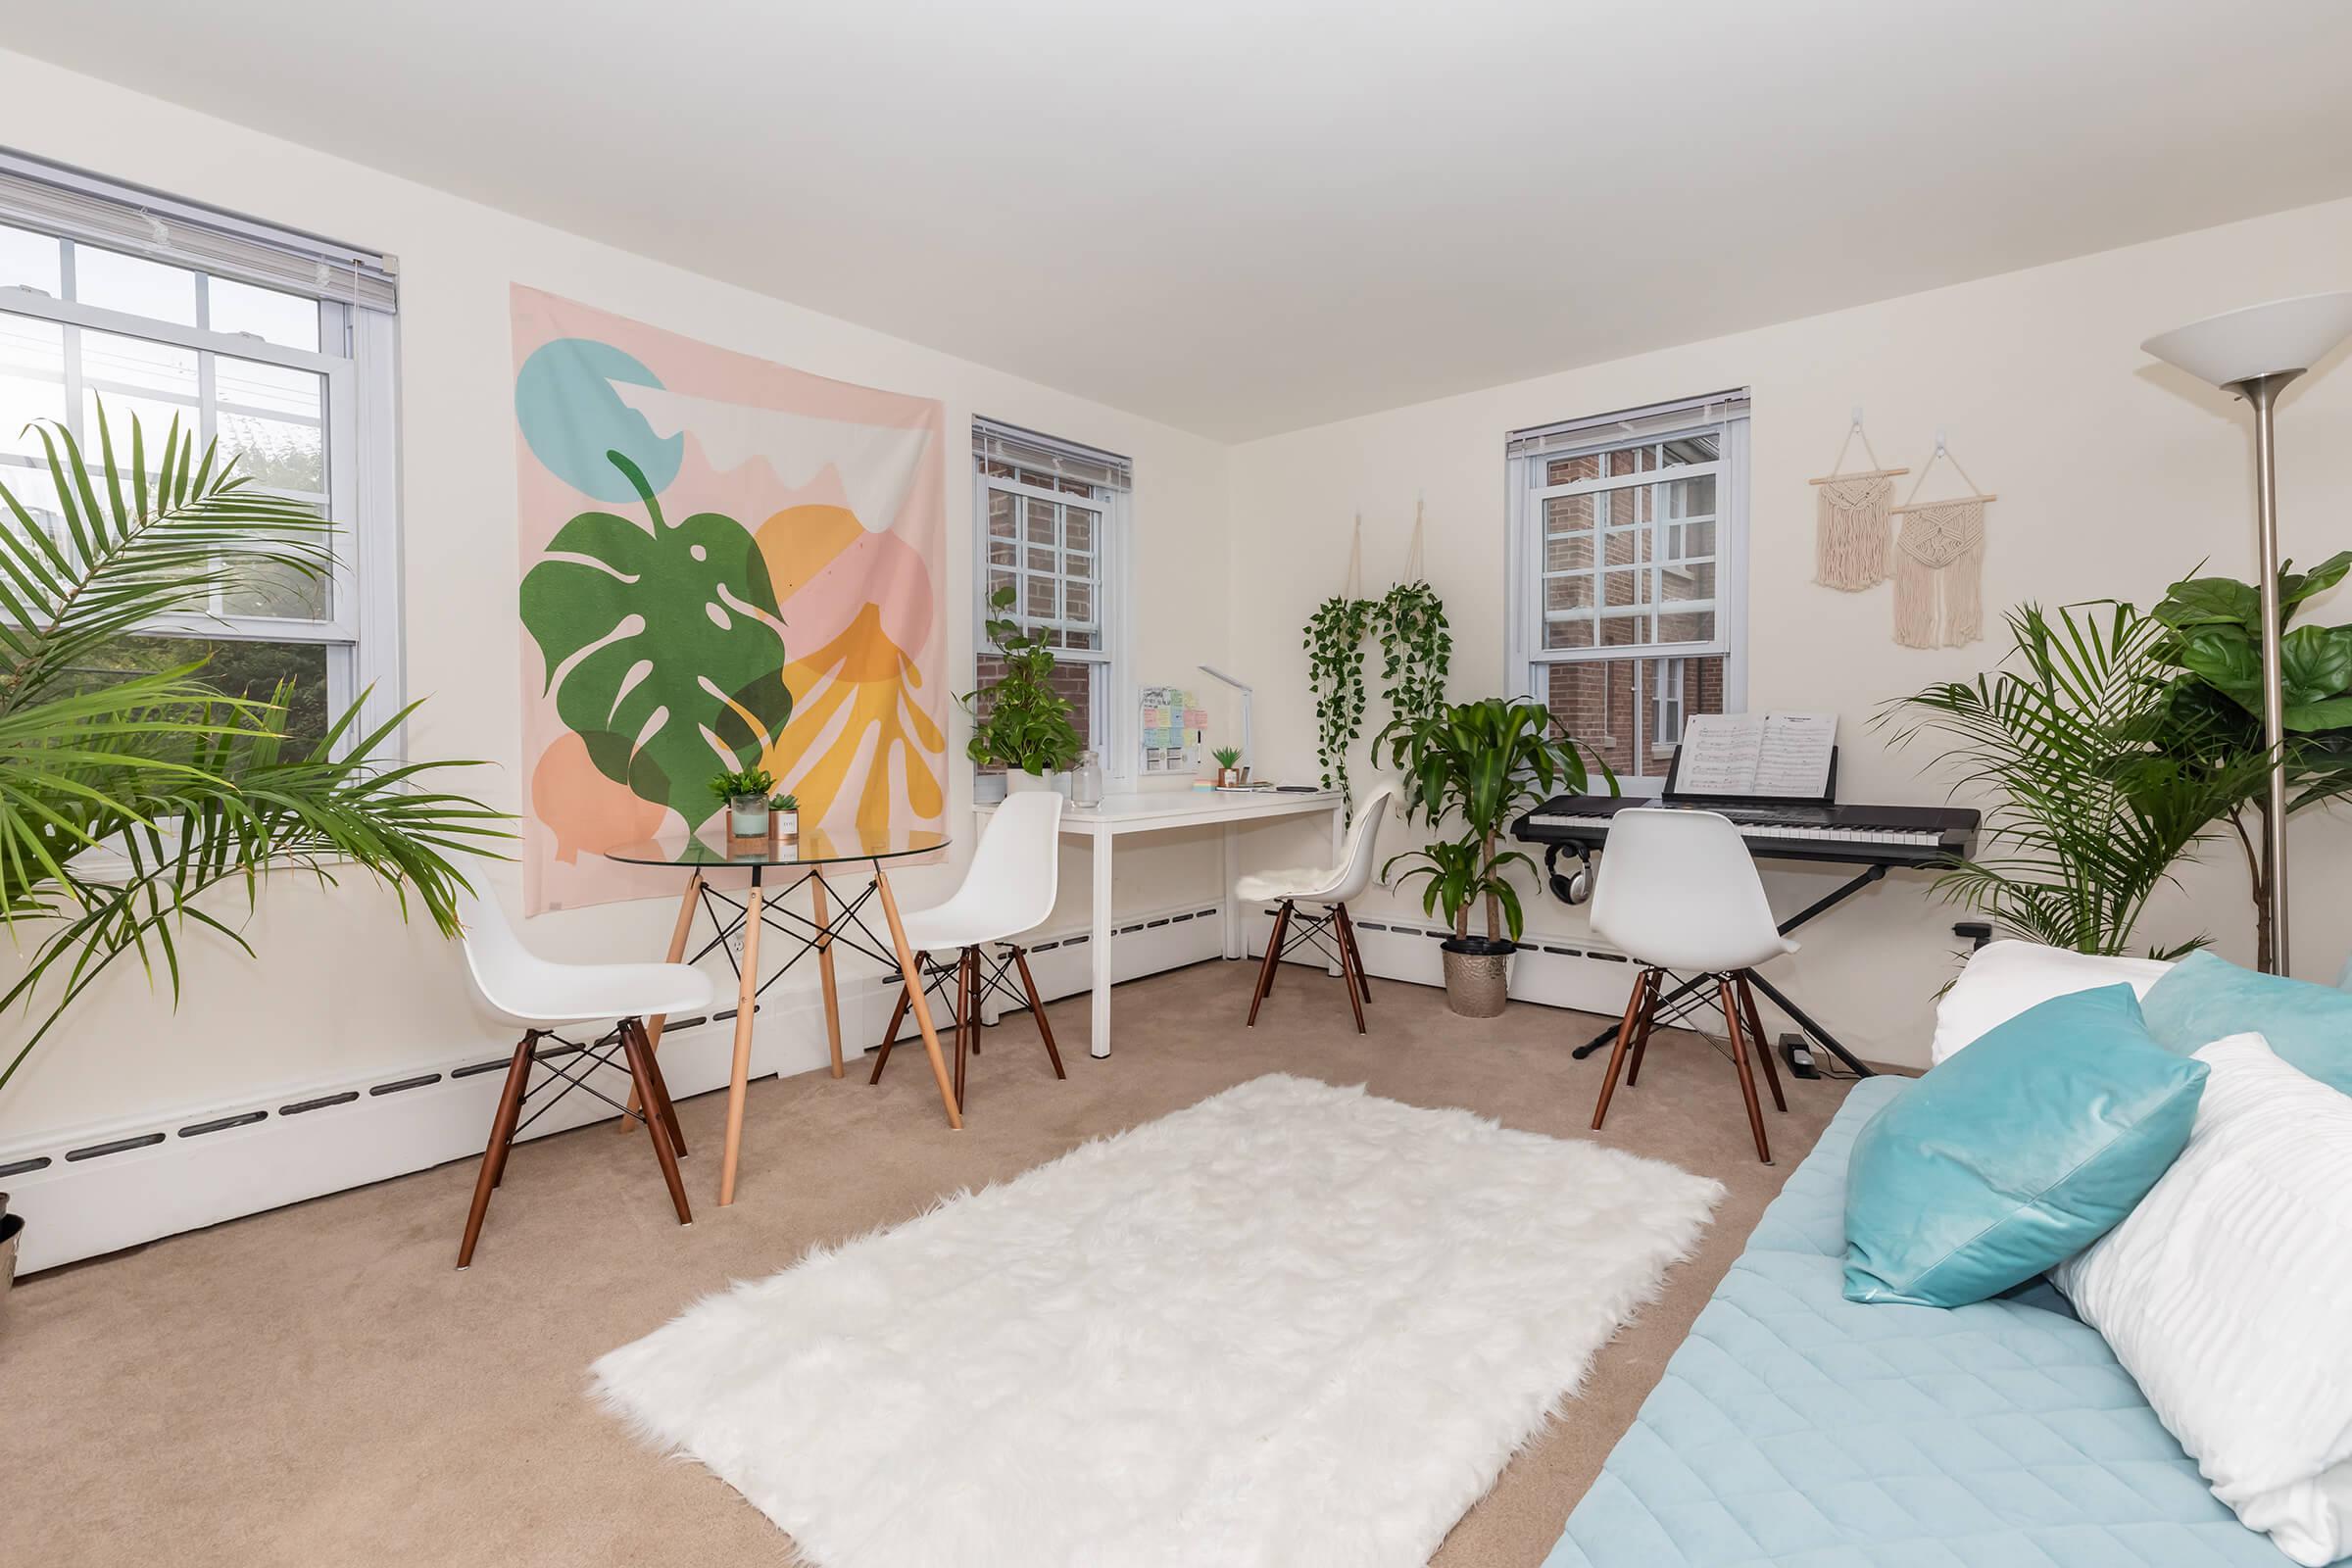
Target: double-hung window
(276,346)
(1052,525)
(1628,563)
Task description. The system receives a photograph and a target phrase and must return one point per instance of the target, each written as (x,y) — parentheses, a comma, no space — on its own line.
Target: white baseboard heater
(97,1189)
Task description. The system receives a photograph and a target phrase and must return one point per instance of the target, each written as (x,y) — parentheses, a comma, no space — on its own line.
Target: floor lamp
(2255,353)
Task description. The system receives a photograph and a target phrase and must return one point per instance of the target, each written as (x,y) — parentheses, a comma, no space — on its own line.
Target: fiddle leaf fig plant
(689,603)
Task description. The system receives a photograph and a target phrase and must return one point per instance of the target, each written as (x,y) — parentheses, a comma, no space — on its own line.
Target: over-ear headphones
(1569,887)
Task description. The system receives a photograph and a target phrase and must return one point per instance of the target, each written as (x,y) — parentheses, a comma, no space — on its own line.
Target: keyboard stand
(1684,1004)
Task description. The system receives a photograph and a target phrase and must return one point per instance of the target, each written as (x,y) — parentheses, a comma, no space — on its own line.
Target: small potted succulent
(746,792)
(1231,774)
(785,812)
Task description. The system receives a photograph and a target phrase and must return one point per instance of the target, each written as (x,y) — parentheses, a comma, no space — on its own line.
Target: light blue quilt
(1799,1429)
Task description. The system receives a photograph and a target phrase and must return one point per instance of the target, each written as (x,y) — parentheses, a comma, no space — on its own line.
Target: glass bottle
(1086,782)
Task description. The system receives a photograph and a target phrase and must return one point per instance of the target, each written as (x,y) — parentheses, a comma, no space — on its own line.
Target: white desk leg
(1099,941)
(1339,845)
(1229,859)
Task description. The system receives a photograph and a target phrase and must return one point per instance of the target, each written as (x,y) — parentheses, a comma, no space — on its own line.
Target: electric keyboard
(1851,835)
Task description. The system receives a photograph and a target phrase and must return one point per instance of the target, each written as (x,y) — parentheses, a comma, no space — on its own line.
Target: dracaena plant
(126,796)
(1483,764)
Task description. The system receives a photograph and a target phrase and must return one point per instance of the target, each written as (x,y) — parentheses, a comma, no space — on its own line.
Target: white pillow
(2227,1295)
(2004,978)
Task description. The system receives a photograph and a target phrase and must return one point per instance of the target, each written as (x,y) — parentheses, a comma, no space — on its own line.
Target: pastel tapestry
(725,563)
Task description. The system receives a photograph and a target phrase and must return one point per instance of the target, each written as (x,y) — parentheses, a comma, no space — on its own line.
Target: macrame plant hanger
(1414,571)
(1353,588)
(1939,563)
(1850,540)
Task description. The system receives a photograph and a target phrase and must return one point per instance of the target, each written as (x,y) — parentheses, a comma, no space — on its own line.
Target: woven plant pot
(1477,975)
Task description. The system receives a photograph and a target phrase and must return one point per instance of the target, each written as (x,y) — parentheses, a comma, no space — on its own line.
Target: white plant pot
(788,825)
(1017,782)
(747,818)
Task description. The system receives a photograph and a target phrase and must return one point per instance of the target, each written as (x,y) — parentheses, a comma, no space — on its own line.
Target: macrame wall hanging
(1939,563)
(1850,539)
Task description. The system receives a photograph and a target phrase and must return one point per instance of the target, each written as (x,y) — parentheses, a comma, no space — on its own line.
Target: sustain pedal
(1798,1052)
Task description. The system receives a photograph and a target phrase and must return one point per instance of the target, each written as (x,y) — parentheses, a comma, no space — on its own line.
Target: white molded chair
(1007,890)
(1679,890)
(1332,888)
(535,995)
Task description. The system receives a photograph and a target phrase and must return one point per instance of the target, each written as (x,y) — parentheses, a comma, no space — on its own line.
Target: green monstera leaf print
(661,647)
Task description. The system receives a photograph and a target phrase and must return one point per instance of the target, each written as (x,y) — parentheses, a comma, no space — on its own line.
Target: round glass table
(830,922)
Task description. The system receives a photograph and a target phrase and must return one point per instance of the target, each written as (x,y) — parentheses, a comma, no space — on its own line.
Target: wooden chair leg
(649,1094)
(1265,970)
(1653,980)
(653,1071)
(1347,932)
(1625,1028)
(1748,1072)
(964,996)
(898,1016)
(1755,1035)
(494,1155)
(1036,1010)
(1347,975)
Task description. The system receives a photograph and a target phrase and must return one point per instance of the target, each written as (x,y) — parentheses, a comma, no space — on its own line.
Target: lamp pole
(2261,392)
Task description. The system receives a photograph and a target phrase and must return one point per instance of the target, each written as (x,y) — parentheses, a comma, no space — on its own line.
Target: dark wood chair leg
(964,996)
(1265,970)
(1755,1035)
(653,1070)
(1364,981)
(1347,975)
(897,1015)
(1747,1073)
(649,1094)
(494,1155)
(1625,1028)
(1036,1010)
(1652,981)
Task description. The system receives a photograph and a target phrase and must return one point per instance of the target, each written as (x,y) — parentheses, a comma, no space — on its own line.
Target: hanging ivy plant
(1335,662)
(1415,650)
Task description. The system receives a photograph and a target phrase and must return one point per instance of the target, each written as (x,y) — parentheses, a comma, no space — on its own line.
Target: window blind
(53,199)
(996,442)
(1628,424)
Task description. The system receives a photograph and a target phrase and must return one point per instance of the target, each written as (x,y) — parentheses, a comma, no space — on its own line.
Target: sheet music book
(1778,756)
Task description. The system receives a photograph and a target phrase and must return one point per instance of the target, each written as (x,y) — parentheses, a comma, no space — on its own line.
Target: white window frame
(1527,454)
(361,632)
(1111,717)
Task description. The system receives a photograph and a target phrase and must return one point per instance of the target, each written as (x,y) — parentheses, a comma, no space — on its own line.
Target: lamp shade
(2258,340)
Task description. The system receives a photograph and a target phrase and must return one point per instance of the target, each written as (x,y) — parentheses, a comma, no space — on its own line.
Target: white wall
(2115,477)
(342,986)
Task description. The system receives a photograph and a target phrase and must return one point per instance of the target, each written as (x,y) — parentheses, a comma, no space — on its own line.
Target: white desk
(1158,812)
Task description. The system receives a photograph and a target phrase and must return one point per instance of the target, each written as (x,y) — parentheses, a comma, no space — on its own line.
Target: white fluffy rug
(1290,1326)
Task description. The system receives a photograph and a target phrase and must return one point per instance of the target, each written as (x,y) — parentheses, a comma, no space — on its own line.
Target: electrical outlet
(735,945)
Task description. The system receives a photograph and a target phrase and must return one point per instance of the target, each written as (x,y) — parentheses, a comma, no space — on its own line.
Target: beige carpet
(319,1386)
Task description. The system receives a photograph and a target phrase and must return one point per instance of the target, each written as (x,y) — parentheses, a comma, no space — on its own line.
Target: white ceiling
(1243,218)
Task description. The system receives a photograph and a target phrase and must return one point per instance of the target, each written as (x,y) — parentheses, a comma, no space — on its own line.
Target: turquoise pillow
(2204,999)
(2016,1153)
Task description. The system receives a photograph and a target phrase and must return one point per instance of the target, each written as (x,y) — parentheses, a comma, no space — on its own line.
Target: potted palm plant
(1230,773)
(128,792)
(1020,723)
(1481,764)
